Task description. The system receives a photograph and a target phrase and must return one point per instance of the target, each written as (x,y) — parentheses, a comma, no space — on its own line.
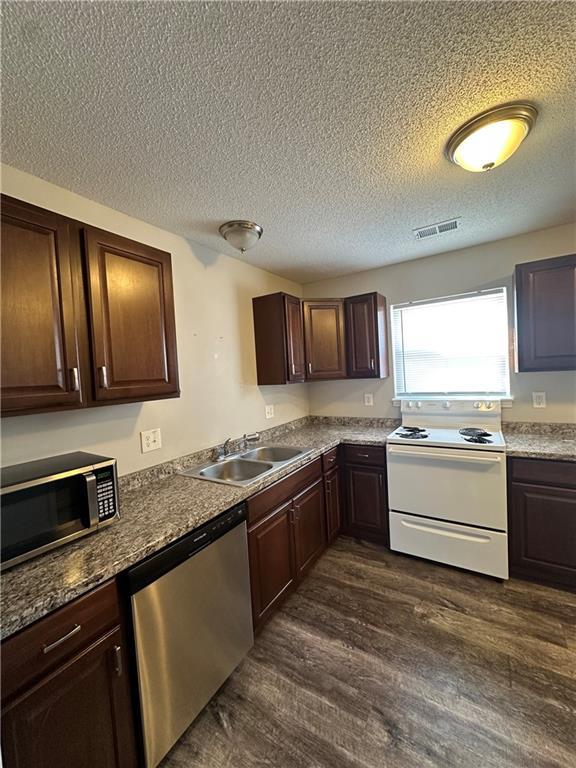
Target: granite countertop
(158,506)
(152,516)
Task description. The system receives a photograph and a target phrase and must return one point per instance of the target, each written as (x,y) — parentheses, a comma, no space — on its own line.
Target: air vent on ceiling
(436,229)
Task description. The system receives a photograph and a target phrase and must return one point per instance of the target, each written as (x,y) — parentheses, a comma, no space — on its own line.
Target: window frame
(448,394)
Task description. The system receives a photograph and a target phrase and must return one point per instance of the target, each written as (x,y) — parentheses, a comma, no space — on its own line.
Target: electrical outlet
(151,440)
(369,399)
(539,399)
(269,411)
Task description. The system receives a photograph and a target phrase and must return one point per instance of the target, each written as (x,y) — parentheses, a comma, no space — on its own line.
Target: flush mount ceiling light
(241,234)
(488,139)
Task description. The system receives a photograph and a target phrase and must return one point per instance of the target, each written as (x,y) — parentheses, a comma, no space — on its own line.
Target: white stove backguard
(452,414)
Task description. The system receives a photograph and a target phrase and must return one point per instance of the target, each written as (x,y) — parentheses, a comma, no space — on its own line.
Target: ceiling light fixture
(490,138)
(241,234)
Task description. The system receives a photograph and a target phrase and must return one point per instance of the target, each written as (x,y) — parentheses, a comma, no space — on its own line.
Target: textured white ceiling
(323,121)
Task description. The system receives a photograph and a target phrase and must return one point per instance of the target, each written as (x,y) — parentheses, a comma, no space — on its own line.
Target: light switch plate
(151,440)
(369,399)
(269,411)
(539,399)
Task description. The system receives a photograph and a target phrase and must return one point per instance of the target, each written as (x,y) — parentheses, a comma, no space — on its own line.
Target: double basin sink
(245,468)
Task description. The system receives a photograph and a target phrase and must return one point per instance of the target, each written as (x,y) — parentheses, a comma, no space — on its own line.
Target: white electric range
(447,484)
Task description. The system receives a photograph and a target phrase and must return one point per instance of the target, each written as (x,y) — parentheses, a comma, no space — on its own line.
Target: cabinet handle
(103,376)
(371,363)
(118,660)
(50,647)
(364,455)
(293,369)
(75,379)
(309,367)
(380,480)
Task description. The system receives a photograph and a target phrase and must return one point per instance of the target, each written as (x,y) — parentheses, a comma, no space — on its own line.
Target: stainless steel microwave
(49,502)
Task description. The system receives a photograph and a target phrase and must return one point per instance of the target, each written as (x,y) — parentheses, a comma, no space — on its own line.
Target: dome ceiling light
(490,138)
(241,234)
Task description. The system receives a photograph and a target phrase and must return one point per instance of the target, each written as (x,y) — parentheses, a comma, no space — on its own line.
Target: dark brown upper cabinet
(40,353)
(75,337)
(367,356)
(324,336)
(279,336)
(131,318)
(546,314)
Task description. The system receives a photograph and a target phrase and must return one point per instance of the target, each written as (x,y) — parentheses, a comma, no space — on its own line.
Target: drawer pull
(50,647)
(117,660)
(364,455)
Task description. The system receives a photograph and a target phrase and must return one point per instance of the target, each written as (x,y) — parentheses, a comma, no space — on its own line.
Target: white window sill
(505,402)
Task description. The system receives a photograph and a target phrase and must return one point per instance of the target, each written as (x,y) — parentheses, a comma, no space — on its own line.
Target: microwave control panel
(106,493)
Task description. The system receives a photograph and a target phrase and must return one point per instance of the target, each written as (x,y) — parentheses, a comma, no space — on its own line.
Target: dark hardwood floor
(384,660)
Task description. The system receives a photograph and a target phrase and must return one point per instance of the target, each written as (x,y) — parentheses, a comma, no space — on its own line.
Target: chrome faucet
(221,451)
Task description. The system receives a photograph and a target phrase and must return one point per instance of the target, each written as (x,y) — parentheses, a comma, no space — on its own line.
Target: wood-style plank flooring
(385,660)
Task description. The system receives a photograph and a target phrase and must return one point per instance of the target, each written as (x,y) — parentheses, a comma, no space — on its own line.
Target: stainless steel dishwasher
(192,622)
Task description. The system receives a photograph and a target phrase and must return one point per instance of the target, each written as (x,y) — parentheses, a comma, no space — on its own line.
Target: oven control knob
(489,405)
(410,404)
(418,404)
(446,404)
(477,404)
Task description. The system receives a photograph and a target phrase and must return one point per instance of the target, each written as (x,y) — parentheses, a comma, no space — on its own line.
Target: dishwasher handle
(181,550)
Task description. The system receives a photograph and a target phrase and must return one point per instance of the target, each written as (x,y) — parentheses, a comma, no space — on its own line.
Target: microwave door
(38,518)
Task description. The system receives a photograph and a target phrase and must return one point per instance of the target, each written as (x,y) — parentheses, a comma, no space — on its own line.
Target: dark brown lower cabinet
(542,521)
(309,518)
(367,503)
(272,562)
(65,691)
(333,496)
(286,534)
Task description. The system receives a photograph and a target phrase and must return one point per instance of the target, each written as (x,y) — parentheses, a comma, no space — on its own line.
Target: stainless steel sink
(235,470)
(273,453)
(244,469)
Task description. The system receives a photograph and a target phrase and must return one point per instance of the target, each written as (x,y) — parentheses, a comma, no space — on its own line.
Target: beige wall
(469,269)
(215,352)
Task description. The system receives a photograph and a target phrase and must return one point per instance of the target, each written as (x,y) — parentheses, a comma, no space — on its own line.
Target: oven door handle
(446,457)
(478,538)
(92,495)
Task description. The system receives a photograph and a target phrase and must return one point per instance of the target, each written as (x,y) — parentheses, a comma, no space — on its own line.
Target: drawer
(330,459)
(375,455)
(543,472)
(475,549)
(36,650)
(265,501)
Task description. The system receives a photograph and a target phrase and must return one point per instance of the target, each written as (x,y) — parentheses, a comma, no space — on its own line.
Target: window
(452,346)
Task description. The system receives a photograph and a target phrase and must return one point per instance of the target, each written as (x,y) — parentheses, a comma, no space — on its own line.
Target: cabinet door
(40,356)
(132,319)
(309,526)
(272,567)
(332,492)
(366,336)
(78,716)
(295,339)
(546,314)
(324,339)
(367,508)
(542,536)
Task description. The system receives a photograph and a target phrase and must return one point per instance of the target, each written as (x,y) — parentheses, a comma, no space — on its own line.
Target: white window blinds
(452,346)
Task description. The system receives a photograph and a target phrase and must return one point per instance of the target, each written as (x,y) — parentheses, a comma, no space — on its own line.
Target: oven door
(457,485)
(43,516)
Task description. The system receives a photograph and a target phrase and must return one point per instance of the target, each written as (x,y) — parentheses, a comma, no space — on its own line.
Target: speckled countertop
(158,506)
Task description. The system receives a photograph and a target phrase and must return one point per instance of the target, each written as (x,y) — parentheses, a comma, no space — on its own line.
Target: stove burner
(413,435)
(474,432)
(478,439)
(413,429)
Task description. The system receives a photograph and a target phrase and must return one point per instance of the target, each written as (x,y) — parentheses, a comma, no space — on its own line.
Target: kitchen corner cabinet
(324,335)
(131,317)
(542,520)
(546,314)
(366,338)
(286,534)
(40,344)
(366,514)
(87,316)
(65,690)
(279,338)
